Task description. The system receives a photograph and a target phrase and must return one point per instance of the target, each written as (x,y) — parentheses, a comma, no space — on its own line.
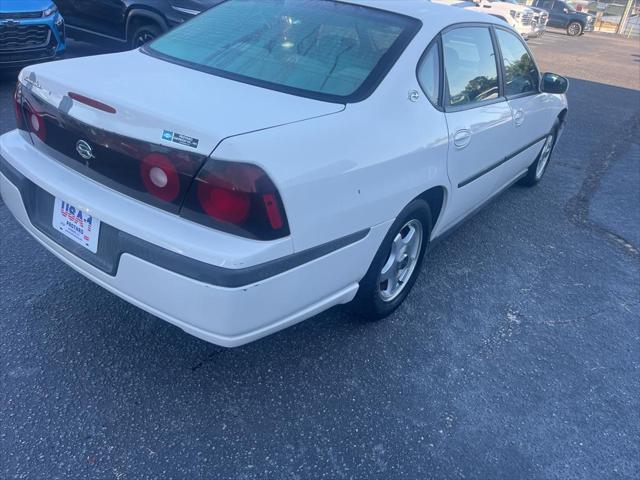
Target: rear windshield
(321,49)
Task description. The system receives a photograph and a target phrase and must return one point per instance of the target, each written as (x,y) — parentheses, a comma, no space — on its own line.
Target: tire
(538,168)
(144,34)
(574,29)
(376,298)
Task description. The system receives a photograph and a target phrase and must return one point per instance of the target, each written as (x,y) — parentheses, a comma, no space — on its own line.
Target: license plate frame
(76,224)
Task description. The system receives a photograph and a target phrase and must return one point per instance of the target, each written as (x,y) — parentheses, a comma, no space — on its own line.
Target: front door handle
(462,138)
(518,117)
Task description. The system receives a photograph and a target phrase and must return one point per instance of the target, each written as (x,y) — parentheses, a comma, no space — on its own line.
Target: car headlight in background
(50,11)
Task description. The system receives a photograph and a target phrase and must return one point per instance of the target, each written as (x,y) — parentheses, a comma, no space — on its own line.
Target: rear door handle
(462,138)
(518,117)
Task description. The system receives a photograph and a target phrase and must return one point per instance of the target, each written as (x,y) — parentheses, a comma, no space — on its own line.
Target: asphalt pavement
(517,355)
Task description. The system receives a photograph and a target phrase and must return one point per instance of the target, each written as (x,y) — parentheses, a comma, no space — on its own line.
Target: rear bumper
(224,315)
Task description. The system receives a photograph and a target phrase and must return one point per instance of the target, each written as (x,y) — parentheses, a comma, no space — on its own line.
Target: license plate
(76,224)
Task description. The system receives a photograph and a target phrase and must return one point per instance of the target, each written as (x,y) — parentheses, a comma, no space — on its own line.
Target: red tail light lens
(92,102)
(35,122)
(17,106)
(273,210)
(27,117)
(160,177)
(239,198)
(221,202)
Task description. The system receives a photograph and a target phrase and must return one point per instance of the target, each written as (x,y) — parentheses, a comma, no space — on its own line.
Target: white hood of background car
(152,96)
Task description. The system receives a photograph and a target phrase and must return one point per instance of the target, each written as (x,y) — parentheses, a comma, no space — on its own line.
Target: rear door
(478,116)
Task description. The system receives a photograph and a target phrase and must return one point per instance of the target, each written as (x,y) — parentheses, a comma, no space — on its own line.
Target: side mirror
(553,83)
(565,10)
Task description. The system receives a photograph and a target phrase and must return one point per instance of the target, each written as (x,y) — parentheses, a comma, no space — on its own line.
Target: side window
(470,65)
(559,7)
(429,73)
(520,73)
(547,5)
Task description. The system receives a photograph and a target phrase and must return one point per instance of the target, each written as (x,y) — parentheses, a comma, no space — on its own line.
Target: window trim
(445,100)
(443,93)
(437,41)
(497,56)
(501,66)
(365,90)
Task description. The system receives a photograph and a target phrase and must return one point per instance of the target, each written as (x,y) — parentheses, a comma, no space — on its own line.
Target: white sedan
(270,159)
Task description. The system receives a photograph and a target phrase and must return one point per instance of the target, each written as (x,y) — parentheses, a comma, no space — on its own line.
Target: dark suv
(133,22)
(564,15)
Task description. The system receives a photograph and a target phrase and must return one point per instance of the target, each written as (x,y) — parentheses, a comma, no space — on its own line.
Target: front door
(531,119)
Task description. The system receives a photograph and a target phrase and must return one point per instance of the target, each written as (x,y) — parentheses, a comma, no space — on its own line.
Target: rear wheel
(144,34)
(574,29)
(539,167)
(396,266)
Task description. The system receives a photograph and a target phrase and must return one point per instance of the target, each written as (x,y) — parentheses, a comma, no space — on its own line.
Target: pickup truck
(562,14)
(539,20)
(516,15)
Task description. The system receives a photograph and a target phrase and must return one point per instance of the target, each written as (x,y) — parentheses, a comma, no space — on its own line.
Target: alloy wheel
(143,37)
(402,261)
(544,156)
(574,29)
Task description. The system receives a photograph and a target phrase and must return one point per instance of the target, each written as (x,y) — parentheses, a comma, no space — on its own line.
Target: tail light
(35,122)
(27,117)
(92,102)
(17,106)
(160,177)
(238,198)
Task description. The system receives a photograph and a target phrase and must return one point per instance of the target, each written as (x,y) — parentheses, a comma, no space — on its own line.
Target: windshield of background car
(320,49)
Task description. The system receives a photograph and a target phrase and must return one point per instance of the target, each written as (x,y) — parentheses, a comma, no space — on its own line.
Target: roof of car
(431,14)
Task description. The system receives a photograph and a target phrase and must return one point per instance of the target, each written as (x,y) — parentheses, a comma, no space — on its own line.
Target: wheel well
(435,198)
(562,116)
(138,17)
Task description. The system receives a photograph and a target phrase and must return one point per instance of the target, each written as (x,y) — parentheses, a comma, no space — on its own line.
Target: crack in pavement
(208,358)
(578,206)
